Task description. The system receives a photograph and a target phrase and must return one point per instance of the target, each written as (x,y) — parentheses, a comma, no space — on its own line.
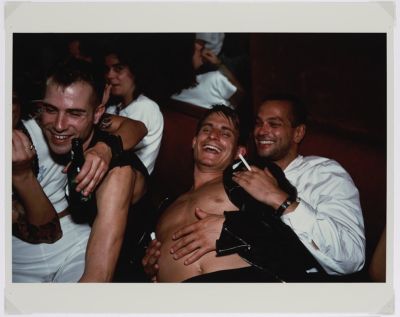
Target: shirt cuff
(302,219)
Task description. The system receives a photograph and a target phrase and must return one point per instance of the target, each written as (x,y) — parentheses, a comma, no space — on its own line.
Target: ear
(299,133)
(194,140)
(241,150)
(98,112)
(106,94)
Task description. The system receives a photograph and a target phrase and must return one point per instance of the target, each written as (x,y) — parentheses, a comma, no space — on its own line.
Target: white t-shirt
(329,214)
(63,260)
(50,176)
(213,88)
(145,110)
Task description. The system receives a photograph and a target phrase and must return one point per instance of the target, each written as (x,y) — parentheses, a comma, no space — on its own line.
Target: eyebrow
(222,128)
(270,119)
(68,110)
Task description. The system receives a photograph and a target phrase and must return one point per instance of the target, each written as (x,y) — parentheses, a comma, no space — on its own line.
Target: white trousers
(59,262)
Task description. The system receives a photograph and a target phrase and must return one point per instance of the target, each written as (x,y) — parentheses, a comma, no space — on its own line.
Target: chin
(60,150)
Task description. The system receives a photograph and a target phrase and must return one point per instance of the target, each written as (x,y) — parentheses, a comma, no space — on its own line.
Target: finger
(152,249)
(181,243)
(186,250)
(195,256)
(200,213)
(65,170)
(154,258)
(85,176)
(95,180)
(255,169)
(184,231)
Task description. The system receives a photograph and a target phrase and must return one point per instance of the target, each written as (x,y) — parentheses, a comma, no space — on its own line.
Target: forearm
(36,219)
(102,254)
(130,131)
(38,208)
(334,234)
(113,200)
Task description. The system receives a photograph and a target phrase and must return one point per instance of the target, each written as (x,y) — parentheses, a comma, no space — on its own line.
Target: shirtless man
(215,146)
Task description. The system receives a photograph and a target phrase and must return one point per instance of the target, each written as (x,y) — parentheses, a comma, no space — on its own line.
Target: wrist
(20,178)
(114,143)
(288,205)
(103,148)
(275,199)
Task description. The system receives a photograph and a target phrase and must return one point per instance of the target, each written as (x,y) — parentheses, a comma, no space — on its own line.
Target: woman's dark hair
(124,50)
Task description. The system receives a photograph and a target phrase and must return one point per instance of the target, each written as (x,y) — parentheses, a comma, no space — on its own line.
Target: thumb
(200,213)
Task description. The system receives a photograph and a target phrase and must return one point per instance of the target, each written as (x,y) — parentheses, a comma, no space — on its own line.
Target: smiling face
(216,144)
(67,113)
(120,77)
(274,135)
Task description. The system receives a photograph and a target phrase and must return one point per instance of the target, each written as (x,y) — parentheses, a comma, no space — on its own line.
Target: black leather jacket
(259,236)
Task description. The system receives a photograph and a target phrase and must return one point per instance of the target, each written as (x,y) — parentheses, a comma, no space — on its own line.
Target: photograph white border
(365,298)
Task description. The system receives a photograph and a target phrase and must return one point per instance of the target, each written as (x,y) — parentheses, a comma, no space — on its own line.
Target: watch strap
(285,205)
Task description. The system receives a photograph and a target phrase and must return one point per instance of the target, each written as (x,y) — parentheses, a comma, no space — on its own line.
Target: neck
(126,100)
(85,144)
(203,176)
(284,162)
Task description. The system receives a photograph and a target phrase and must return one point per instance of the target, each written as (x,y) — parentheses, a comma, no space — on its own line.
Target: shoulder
(317,167)
(313,162)
(31,125)
(210,76)
(35,134)
(143,101)
(143,107)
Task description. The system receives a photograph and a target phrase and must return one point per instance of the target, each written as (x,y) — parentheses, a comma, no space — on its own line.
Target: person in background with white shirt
(219,86)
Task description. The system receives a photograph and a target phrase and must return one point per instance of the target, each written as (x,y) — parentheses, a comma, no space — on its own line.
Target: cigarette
(153,236)
(244,162)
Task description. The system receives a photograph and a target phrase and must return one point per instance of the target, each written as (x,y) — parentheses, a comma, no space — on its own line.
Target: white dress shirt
(328,219)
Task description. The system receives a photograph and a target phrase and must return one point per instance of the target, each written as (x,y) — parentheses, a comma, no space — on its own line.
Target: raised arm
(98,158)
(237,97)
(37,221)
(131,131)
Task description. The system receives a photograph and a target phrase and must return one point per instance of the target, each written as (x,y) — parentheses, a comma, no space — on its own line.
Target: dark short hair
(227,112)
(299,110)
(70,71)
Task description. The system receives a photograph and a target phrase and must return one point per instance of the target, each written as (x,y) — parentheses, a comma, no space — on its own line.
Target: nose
(60,124)
(214,134)
(110,73)
(262,129)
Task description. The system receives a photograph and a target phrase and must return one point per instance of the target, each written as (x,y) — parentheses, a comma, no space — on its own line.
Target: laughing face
(67,113)
(215,145)
(274,135)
